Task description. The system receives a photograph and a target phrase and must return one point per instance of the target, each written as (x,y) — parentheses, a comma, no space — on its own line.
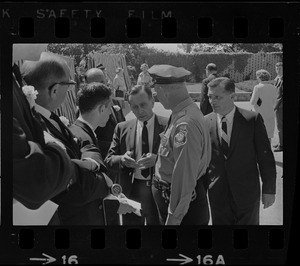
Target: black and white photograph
(145,134)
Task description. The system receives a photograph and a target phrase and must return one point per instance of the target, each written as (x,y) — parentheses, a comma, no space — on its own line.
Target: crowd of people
(215,157)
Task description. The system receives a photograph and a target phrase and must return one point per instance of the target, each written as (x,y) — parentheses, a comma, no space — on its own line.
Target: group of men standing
(168,166)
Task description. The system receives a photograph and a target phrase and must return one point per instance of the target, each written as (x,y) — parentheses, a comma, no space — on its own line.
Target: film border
(186,16)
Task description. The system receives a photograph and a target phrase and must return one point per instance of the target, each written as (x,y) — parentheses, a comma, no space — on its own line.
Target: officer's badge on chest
(180,135)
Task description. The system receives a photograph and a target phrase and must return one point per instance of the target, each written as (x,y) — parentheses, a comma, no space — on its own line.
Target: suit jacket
(249,157)
(204,102)
(79,206)
(279,86)
(124,140)
(87,138)
(48,170)
(105,134)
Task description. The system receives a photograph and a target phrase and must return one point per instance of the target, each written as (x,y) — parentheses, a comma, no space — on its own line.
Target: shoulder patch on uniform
(180,136)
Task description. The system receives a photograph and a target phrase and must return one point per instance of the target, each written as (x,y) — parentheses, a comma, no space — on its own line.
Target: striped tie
(224,137)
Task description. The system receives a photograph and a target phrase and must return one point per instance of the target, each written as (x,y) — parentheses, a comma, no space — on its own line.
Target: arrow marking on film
(47,260)
(185,259)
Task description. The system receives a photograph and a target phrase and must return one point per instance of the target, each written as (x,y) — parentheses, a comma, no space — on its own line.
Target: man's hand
(268,200)
(147,161)
(127,161)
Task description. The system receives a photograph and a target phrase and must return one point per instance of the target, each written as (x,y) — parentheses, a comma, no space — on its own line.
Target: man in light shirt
(133,153)
(241,156)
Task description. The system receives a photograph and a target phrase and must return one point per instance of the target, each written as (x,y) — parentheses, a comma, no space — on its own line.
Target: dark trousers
(142,193)
(227,213)
(198,213)
(278,114)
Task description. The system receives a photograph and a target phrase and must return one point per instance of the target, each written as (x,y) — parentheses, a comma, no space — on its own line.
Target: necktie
(145,147)
(224,137)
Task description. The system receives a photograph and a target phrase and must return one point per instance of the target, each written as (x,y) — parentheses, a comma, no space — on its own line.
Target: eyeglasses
(69,83)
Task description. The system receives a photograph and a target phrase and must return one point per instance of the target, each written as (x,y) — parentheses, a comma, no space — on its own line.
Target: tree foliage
(230,47)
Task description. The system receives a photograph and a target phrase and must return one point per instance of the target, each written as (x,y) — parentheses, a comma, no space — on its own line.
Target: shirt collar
(229,116)
(182,105)
(150,122)
(43,111)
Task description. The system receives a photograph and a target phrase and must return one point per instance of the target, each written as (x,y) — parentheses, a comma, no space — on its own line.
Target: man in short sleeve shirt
(184,152)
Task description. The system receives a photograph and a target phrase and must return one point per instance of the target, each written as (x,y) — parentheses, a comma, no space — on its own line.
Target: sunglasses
(69,83)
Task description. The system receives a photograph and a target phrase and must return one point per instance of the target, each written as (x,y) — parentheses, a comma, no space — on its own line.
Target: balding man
(94,75)
(105,134)
(80,204)
(40,170)
(184,152)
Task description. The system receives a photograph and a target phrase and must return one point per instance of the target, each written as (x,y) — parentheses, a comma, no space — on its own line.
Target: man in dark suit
(104,134)
(80,204)
(211,73)
(40,170)
(278,105)
(133,152)
(241,153)
(94,102)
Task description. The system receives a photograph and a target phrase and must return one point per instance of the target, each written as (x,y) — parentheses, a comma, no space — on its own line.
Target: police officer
(184,152)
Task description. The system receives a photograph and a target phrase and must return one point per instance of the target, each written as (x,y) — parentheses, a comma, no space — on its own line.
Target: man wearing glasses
(50,77)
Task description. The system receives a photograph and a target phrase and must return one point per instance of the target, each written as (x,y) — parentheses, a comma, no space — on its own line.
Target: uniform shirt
(229,118)
(144,78)
(138,143)
(183,156)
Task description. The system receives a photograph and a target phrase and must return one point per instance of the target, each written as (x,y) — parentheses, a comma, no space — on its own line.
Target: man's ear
(53,92)
(101,108)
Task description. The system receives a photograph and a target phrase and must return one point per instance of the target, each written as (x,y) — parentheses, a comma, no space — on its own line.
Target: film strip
(176,23)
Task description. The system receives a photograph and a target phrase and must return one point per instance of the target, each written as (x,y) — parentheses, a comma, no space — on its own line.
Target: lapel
(70,145)
(131,136)
(237,122)
(88,130)
(214,130)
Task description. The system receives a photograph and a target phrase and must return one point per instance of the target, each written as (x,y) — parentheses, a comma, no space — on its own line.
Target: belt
(148,183)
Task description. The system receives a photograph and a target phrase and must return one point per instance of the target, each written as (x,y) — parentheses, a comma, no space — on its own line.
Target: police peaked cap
(166,74)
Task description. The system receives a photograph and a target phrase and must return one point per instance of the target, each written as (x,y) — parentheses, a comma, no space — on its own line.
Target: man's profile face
(220,99)
(279,70)
(141,105)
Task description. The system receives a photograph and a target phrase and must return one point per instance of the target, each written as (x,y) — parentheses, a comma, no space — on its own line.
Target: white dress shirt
(138,143)
(229,118)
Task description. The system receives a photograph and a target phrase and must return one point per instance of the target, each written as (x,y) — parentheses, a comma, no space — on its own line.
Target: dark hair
(138,88)
(44,72)
(226,82)
(91,95)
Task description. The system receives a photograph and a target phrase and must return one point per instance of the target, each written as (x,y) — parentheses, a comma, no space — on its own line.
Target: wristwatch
(116,190)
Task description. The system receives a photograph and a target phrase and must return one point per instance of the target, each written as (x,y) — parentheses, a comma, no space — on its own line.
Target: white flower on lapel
(31,94)
(76,140)
(64,120)
(117,107)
